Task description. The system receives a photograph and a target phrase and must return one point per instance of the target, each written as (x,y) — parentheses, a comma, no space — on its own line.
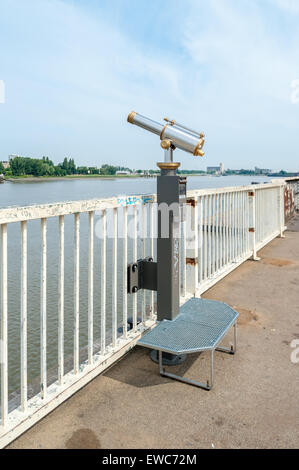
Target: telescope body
(178,135)
(184,128)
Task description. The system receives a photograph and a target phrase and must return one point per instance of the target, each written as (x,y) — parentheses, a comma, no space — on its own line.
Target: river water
(21,193)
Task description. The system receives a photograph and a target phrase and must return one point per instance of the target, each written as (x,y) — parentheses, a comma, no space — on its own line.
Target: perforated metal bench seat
(200,326)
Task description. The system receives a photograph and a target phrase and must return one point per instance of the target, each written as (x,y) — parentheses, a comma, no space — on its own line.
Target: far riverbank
(40,179)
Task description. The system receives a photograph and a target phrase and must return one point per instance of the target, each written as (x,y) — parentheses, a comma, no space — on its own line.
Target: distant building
(122,173)
(262,171)
(218,170)
(5,164)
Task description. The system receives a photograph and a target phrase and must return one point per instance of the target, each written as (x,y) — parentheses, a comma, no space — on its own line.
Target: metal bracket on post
(142,275)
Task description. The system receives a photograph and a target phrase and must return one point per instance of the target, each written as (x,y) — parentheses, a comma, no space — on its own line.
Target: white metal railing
(78,325)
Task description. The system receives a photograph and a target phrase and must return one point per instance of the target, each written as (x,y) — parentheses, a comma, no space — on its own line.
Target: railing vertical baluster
(229,228)
(235,239)
(265,213)
(24,316)
(281,206)
(212,224)
(143,209)
(61,302)
(225,230)
(135,256)
(220,222)
(43,320)
(258,220)
(76,290)
(249,208)
(245,215)
(184,255)
(221,230)
(103,282)
(209,236)
(231,205)
(245,218)
(114,280)
(241,210)
(261,217)
(217,230)
(90,284)
(205,238)
(3,345)
(151,215)
(240,218)
(239,224)
(125,261)
(200,261)
(214,228)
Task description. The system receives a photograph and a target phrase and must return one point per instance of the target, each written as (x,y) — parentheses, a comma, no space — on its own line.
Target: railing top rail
(33,212)
(230,189)
(286,179)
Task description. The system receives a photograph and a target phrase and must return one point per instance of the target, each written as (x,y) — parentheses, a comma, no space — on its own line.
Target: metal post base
(167,359)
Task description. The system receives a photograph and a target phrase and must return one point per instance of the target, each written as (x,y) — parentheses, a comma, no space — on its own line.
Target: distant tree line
(190,172)
(25,166)
(240,172)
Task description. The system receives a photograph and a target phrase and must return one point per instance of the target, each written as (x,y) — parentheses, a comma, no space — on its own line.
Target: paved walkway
(254,403)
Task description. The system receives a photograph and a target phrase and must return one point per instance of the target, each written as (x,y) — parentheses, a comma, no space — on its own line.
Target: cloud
(246,61)
(78,76)
(291,6)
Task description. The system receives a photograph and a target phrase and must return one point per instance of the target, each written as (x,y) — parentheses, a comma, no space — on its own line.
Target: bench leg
(232,349)
(208,386)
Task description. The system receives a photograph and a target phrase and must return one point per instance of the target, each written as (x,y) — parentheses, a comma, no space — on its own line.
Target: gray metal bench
(200,326)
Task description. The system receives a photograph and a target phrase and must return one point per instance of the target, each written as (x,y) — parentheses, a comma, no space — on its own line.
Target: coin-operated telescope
(163,276)
(172,134)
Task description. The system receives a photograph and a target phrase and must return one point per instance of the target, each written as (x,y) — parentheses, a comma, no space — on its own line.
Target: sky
(72,70)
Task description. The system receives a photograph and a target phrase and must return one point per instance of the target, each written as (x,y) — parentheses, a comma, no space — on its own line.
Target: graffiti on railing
(124,201)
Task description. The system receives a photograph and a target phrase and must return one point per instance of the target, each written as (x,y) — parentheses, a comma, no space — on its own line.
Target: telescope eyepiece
(131,116)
